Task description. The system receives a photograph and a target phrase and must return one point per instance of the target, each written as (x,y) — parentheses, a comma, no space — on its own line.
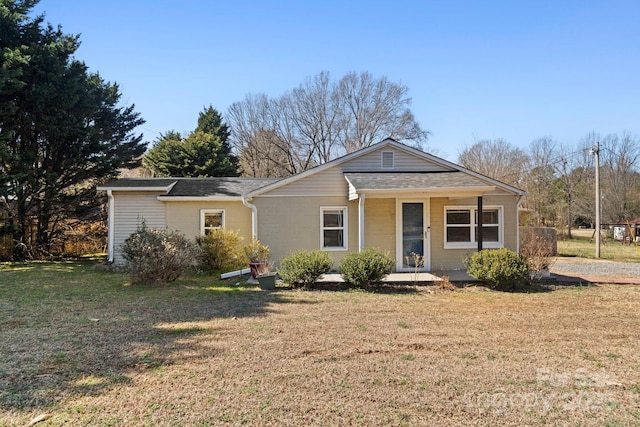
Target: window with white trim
(461,227)
(211,219)
(333,228)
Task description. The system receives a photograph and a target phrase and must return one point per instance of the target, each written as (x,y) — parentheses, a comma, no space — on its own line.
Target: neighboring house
(389,196)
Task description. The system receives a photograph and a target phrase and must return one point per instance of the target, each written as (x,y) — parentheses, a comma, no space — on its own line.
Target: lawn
(80,345)
(582,244)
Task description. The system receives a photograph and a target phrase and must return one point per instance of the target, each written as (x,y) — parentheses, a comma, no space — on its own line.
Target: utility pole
(596,153)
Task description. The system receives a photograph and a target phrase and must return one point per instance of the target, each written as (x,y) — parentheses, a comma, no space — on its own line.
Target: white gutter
(110,230)
(254,217)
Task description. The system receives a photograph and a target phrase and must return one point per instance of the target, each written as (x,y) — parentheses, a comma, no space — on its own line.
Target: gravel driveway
(596,271)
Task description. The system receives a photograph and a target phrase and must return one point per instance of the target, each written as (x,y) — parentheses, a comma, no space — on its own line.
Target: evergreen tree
(61,130)
(205,152)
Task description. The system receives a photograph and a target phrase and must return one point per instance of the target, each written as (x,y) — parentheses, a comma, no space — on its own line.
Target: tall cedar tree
(62,130)
(206,152)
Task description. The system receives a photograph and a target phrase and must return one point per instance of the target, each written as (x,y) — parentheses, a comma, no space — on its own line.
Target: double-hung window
(211,219)
(461,227)
(333,228)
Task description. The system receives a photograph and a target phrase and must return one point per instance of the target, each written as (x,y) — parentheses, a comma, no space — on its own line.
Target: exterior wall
(286,224)
(185,217)
(330,182)
(130,208)
(380,225)
(403,161)
(442,258)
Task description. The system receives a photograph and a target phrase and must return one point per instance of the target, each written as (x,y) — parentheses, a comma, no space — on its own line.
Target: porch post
(361,222)
(479,224)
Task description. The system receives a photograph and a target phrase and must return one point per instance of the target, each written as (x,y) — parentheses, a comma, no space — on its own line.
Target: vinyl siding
(403,161)
(185,217)
(330,182)
(453,258)
(380,225)
(286,224)
(130,209)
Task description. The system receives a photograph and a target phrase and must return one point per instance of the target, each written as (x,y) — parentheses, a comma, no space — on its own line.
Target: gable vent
(387,160)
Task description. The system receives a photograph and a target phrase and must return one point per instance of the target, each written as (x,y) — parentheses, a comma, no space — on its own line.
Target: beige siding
(380,225)
(185,217)
(442,258)
(286,224)
(130,209)
(330,182)
(403,161)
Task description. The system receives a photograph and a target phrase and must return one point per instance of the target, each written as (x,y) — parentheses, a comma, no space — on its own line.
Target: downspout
(254,217)
(110,226)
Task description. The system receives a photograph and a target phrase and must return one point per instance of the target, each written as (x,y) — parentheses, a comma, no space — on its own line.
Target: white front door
(412,235)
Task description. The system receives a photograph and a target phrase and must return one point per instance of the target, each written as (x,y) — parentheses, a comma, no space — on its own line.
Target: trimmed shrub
(221,250)
(364,268)
(158,256)
(304,267)
(498,268)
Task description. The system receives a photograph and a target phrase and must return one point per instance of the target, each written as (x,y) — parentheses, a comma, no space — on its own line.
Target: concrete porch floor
(422,277)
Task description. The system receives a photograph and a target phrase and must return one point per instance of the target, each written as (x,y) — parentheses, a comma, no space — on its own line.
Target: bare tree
(319,121)
(496,159)
(538,181)
(620,157)
(372,109)
(575,183)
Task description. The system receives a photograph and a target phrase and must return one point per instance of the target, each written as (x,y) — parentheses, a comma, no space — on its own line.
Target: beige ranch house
(388,196)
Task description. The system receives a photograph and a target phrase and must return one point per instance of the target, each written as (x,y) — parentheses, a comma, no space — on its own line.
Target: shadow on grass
(69,329)
(376,288)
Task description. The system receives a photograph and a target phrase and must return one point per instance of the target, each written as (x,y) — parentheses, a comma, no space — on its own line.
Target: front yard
(81,346)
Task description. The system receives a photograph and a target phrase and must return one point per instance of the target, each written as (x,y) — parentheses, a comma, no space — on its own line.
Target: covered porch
(421,277)
(411,216)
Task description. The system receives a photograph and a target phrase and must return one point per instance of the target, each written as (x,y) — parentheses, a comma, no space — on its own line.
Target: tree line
(560,179)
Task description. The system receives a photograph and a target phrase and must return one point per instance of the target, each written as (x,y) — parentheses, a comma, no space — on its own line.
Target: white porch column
(361,222)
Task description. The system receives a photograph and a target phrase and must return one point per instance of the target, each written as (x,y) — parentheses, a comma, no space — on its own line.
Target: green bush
(498,268)
(364,268)
(221,250)
(158,256)
(304,267)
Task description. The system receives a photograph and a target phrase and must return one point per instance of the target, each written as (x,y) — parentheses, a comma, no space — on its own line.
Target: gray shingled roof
(412,180)
(207,187)
(194,187)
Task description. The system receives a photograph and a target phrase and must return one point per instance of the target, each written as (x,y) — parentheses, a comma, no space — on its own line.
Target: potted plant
(258,255)
(267,278)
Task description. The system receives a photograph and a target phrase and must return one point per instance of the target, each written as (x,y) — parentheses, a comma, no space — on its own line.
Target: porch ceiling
(453,183)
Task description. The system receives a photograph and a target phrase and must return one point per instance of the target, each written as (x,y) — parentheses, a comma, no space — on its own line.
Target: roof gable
(370,159)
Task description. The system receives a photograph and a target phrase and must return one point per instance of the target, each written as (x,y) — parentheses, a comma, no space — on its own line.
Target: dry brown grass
(583,245)
(82,347)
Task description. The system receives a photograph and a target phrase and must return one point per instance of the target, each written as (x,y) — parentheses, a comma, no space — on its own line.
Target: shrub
(538,247)
(364,268)
(256,251)
(221,250)
(498,268)
(304,267)
(158,256)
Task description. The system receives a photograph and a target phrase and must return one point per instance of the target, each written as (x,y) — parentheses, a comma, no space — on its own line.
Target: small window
(211,219)
(387,160)
(333,228)
(461,227)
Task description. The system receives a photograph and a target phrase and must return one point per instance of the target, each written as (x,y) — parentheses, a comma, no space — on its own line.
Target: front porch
(403,277)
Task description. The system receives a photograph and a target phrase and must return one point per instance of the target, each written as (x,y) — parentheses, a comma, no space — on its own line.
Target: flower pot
(258,267)
(267,281)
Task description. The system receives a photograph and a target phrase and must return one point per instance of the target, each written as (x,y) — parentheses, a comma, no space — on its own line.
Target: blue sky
(475,69)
